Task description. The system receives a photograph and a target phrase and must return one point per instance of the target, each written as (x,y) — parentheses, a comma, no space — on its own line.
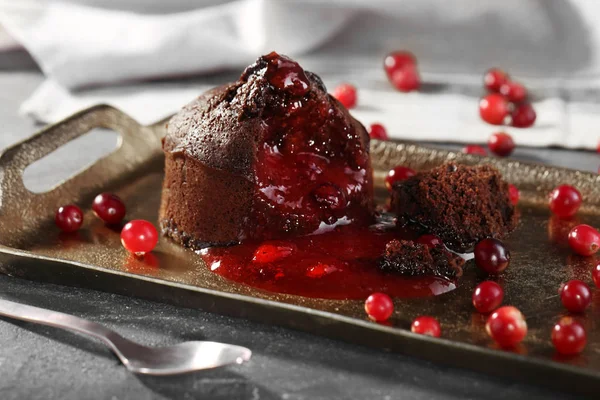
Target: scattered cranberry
(491,256)
(575,296)
(139,236)
(596,275)
(513,194)
(398,60)
(267,253)
(584,240)
(430,240)
(329,196)
(377,131)
(109,208)
(425,325)
(379,307)
(501,144)
(507,326)
(487,297)
(406,79)
(513,91)
(346,94)
(523,116)
(568,336)
(565,200)
(494,79)
(69,218)
(474,149)
(398,174)
(493,109)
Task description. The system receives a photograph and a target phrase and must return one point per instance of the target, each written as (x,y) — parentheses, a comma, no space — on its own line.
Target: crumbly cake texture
(460,204)
(408,258)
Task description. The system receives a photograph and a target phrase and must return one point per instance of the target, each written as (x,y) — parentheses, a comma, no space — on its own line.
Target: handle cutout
(70,159)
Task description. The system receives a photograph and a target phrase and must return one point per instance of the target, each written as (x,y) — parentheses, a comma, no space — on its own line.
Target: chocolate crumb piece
(460,204)
(408,258)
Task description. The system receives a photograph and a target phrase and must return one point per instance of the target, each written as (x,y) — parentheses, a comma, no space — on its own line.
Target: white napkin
(553,47)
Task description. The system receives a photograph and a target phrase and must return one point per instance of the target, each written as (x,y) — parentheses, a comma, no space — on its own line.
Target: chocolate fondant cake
(269,156)
(460,204)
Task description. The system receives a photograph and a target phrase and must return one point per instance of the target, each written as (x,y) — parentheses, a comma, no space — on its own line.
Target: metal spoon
(168,360)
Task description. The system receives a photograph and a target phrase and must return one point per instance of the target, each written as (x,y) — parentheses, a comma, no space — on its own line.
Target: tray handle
(137,145)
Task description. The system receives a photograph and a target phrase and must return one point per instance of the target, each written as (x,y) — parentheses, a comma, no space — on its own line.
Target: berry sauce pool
(340,264)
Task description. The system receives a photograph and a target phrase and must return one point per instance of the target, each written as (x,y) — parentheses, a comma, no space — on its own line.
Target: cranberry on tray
(564,201)
(487,296)
(584,240)
(379,307)
(426,325)
(69,218)
(575,295)
(507,326)
(491,256)
(568,336)
(109,208)
(139,236)
(501,144)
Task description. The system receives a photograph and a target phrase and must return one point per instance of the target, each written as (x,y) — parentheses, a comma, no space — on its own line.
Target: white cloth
(552,46)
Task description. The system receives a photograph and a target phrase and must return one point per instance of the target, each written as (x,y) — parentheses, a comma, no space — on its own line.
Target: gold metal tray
(32,248)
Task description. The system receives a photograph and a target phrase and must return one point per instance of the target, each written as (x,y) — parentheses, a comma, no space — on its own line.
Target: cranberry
(596,275)
(501,144)
(507,326)
(568,336)
(329,196)
(139,236)
(523,116)
(474,149)
(286,74)
(425,325)
(267,253)
(398,174)
(109,208)
(346,94)
(491,256)
(584,240)
(487,297)
(513,91)
(406,79)
(379,307)
(513,194)
(494,79)
(430,240)
(565,200)
(493,109)
(377,131)
(69,218)
(398,60)
(575,296)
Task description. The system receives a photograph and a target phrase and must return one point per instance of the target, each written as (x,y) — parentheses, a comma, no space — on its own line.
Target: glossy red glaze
(576,296)
(379,307)
(491,256)
(513,194)
(346,94)
(425,325)
(139,236)
(493,109)
(377,131)
(584,240)
(513,91)
(501,144)
(341,264)
(568,336)
(69,218)
(286,74)
(507,326)
(494,79)
(487,296)
(398,174)
(523,116)
(109,208)
(474,149)
(564,201)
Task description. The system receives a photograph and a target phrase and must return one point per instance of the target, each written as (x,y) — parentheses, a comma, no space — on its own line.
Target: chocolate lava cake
(460,204)
(269,156)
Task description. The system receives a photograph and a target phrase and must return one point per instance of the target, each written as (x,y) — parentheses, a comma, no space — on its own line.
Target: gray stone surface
(44,363)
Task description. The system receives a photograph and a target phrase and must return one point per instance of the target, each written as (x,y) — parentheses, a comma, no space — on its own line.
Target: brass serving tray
(32,248)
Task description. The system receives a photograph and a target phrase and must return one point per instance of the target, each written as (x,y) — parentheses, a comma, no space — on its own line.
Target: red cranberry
(425,325)
(513,194)
(69,218)
(379,307)
(568,336)
(491,256)
(501,144)
(493,109)
(584,240)
(346,94)
(286,74)
(268,253)
(474,149)
(575,296)
(377,131)
(109,208)
(139,236)
(596,275)
(398,60)
(565,200)
(329,196)
(523,116)
(507,326)
(487,297)
(406,79)
(430,240)
(398,174)
(494,79)
(513,91)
